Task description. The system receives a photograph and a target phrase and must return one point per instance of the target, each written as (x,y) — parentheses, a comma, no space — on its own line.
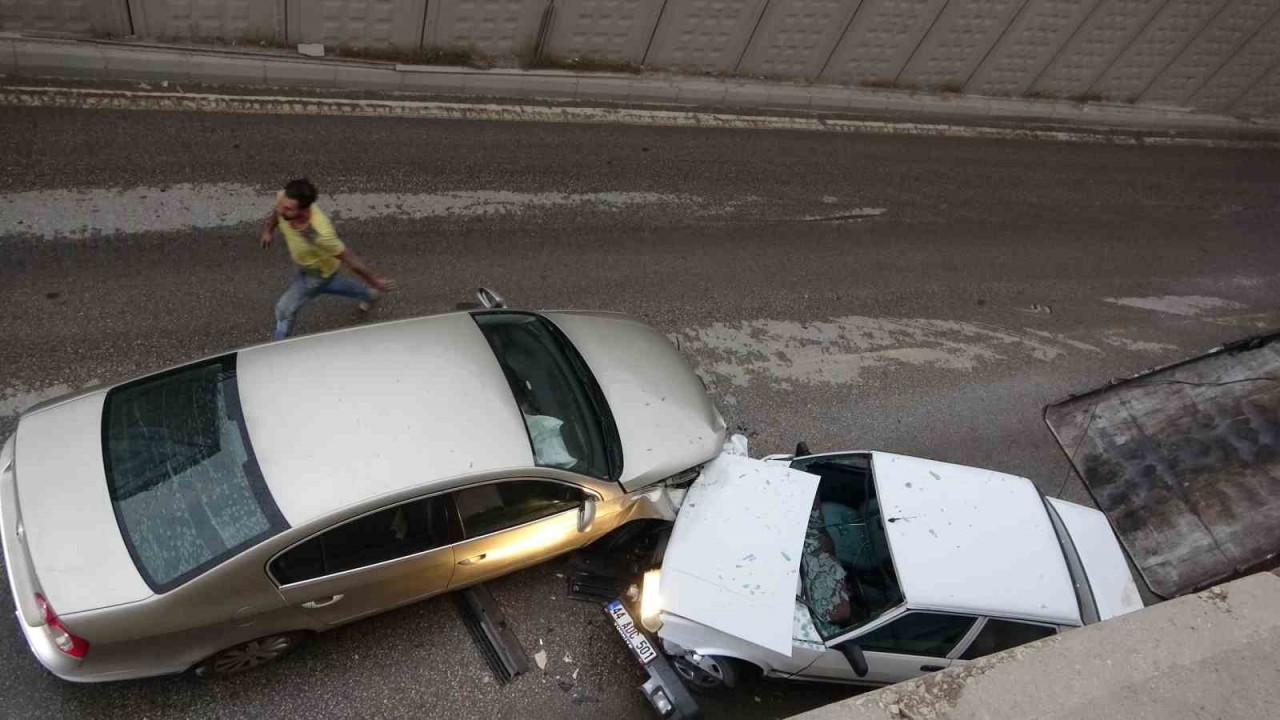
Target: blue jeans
(306,286)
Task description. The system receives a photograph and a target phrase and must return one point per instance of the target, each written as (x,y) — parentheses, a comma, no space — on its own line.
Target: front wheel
(714,674)
(250,655)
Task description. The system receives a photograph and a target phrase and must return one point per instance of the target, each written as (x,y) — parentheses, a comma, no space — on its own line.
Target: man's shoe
(367,305)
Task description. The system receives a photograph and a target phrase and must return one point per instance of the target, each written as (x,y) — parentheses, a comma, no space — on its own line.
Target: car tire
(249,655)
(716,674)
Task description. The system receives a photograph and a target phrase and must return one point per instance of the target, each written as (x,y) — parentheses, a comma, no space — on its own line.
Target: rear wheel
(714,673)
(250,655)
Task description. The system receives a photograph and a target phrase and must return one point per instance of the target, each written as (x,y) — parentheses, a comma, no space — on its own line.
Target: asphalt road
(953,289)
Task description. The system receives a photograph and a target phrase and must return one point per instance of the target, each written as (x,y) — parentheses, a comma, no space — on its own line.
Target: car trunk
(1110,582)
(78,558)
(1183,460)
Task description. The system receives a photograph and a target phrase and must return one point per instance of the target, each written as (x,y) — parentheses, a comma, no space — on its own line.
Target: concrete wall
(100,17)
(1219,55)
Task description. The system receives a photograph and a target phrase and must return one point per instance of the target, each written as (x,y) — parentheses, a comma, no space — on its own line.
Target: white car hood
(733,560)
(666,421)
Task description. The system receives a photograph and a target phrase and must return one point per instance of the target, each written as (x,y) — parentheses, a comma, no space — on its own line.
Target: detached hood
(77,554)
(733,560)
(1183,461)
(666,420)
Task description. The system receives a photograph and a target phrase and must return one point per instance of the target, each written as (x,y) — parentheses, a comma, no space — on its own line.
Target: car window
(918,633)
(181,473)
(497,506)
(999,635)
(395,532)
(567,419)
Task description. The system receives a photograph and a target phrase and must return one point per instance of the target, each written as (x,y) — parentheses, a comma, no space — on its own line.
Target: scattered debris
(487,624)
(540,658)
(564,685)
(1038,309)
(311,49)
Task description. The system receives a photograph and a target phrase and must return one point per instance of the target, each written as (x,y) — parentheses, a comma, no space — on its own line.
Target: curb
(99,99)
(37,57)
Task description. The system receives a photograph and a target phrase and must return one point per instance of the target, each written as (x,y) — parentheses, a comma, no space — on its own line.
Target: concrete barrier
(1212,654)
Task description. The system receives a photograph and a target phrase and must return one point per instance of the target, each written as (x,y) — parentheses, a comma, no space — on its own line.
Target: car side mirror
(586,514)
(854,655)
(490,299)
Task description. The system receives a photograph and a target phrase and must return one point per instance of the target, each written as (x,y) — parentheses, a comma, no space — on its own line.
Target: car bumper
(664,690)
(54,660)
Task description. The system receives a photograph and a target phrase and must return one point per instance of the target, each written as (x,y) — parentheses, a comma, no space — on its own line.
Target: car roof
(973,541)
(339,418)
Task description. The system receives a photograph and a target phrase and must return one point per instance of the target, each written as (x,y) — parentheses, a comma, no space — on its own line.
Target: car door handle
(314,604)
(932,668)
(473,559)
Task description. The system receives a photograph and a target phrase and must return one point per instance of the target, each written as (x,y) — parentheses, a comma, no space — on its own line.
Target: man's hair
(301,190)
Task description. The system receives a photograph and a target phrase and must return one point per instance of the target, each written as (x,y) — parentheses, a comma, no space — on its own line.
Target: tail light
(62,637)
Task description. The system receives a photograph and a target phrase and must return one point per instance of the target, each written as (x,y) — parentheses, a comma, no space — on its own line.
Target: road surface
(922,296)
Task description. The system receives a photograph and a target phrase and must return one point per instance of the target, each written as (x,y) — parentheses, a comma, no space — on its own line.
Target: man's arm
(353,261)
(269,228)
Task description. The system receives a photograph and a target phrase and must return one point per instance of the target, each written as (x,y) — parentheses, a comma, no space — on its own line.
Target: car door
(368,564)
(997,635)
(912,644)
(512,524)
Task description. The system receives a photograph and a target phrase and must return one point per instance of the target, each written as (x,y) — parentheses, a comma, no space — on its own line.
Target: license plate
(640,644)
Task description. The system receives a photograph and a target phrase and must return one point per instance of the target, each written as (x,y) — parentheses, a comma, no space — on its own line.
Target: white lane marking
(53,214)
(1138,345)
(1184,305)
(274,104)
(839,350)
(854,214)
(1063,339)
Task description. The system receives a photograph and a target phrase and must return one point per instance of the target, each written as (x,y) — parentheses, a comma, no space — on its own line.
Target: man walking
(319,254)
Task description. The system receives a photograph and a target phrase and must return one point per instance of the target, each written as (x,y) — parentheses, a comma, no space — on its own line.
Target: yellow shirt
(315,247)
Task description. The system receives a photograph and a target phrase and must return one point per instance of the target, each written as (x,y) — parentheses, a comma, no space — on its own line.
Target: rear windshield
(183,480)
(569,423)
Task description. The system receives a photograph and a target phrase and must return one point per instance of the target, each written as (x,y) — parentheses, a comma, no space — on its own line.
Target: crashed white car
(868,567)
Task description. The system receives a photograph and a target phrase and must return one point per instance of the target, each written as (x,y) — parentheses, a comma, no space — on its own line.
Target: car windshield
(564,411)
(846,570)
(182,477)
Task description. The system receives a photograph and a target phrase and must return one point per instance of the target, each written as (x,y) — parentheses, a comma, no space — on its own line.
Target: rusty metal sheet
(1185,462)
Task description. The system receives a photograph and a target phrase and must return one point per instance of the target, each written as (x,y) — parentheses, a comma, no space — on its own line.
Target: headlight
(651,602)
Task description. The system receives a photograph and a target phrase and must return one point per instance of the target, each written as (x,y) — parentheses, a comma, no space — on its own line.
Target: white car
(868,567)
